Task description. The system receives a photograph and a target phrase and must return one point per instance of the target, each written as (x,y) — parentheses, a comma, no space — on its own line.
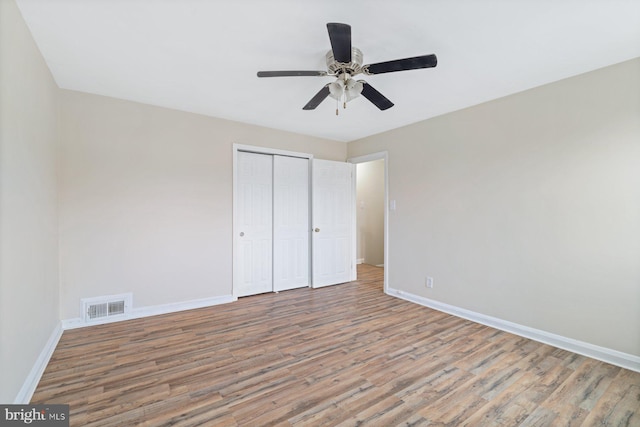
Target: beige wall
(526,208)
(370,212)
(146,199)
(29,310)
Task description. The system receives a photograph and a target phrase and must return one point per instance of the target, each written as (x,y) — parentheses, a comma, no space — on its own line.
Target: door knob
(241,233)
(317,230)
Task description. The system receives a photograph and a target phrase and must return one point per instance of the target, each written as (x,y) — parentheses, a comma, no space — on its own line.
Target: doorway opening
(371,207)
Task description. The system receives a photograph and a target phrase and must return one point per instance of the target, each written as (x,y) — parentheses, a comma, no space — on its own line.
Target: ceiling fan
(344,62)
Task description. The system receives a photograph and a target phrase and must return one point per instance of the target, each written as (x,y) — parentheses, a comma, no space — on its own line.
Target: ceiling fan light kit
(344,62)
(345,88)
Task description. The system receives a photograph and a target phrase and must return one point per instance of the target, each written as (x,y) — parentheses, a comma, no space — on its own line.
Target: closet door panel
(291,251)
(332,222)
(255,227)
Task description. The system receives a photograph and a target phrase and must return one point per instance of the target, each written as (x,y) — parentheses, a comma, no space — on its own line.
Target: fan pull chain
(344,96)
(337,106)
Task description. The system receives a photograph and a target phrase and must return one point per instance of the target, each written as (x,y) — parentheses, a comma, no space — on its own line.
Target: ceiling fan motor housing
(337,68)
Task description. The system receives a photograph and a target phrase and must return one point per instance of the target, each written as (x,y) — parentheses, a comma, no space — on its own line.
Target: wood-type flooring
(343,355)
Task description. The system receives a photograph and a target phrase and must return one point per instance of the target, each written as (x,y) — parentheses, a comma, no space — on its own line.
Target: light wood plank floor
(340,356)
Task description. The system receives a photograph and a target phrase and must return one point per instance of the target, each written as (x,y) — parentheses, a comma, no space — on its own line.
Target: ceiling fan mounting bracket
(352,68)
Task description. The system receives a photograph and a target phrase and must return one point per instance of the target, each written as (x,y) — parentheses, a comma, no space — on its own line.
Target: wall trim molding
(614,357)
(31,382)
(152,310)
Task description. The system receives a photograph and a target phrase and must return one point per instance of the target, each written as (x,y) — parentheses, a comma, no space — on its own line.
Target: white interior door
(290,223)
(332,232)
(254,231)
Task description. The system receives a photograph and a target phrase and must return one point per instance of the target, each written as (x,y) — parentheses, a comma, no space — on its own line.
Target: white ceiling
(202,55)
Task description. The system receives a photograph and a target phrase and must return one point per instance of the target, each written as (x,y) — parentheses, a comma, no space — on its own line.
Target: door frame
(235,230)
(381,155)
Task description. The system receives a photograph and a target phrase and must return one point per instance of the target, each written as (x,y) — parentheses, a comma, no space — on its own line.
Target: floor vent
(98,308)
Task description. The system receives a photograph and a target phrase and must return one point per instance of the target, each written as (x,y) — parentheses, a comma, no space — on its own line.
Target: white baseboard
(361,261)
(31,382)
(614,357)
(152,310)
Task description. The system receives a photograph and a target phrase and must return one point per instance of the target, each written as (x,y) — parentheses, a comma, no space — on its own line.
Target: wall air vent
(106,307)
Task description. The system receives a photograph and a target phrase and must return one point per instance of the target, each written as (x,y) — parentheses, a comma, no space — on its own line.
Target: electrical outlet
(429,282)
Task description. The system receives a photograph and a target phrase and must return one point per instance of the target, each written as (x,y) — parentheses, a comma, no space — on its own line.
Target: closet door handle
(317,230)
(242,234)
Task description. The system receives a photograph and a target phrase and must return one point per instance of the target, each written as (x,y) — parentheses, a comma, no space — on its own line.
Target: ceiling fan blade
(425,61)
(317,99)
(378,99)
(340,36)
(291,73)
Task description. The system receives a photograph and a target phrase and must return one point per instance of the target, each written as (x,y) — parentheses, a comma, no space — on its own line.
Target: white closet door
(254,272)
(331,222)
(290,223)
